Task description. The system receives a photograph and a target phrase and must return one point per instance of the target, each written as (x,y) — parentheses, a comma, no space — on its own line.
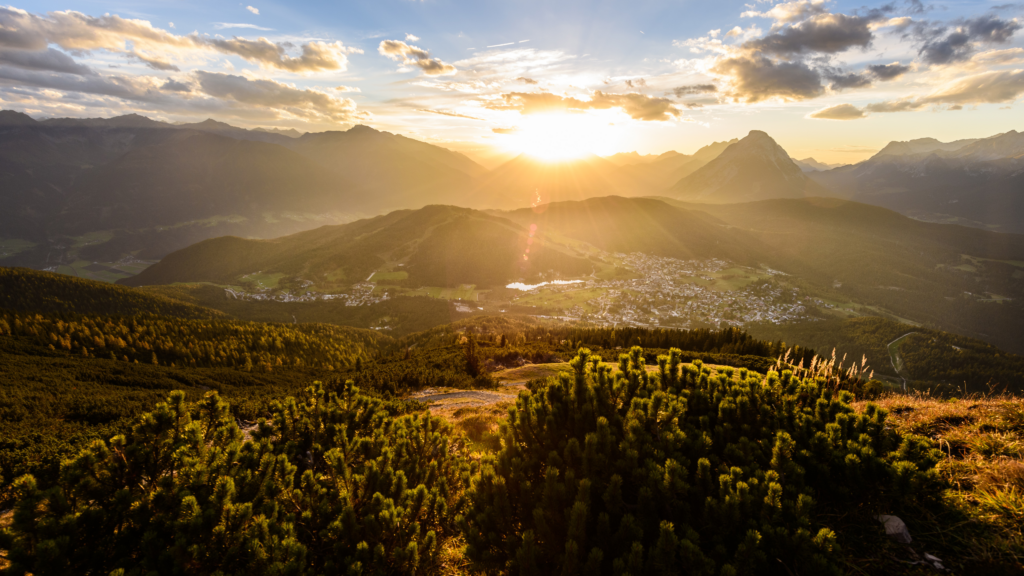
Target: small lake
(525,287)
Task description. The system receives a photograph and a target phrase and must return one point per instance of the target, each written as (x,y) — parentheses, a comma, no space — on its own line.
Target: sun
(559,136)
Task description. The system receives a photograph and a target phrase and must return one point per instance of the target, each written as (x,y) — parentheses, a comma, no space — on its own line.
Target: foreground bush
(635,473)
(334,484)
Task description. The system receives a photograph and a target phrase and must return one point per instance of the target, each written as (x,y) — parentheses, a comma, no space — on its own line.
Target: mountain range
(100,189)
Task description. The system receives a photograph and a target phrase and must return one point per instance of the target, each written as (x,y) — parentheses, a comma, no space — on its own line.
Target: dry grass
(982,439)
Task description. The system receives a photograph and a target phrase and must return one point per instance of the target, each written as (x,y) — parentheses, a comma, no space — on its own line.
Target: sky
(832,80)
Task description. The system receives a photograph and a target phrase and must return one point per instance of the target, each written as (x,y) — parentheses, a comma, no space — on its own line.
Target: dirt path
(439,400)
(896,359)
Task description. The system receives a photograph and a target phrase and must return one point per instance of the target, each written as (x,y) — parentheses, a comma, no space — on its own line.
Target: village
(675,293)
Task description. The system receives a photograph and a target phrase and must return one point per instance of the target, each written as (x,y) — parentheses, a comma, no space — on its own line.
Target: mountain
(972,182)
(291,132)
(151,187)
(394,171)
(435,246)
(627,158)
(755,168)
(126,121)
(171,183)
(922,146)
(616,224)
(12,118)
(526,180)
(812,165)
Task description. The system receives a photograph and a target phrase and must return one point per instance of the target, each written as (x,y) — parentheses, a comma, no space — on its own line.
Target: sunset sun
(560,136)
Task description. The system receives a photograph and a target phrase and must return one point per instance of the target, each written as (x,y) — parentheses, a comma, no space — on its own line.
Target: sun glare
(554,137)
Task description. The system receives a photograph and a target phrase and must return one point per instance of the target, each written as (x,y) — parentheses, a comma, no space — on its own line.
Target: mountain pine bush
(337,483)
(639,473)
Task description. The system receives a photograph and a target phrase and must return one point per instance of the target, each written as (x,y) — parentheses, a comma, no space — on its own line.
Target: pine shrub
(332,484)
(629,472)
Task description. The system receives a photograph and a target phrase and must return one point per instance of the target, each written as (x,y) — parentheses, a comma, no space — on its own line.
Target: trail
(896,359)
(449,400)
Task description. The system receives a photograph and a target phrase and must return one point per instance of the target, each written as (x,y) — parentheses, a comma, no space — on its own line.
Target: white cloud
(415,56)
(227,25)
(411,38)
(253,10)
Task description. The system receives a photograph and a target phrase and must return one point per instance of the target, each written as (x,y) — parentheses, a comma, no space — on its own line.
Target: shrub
(646,473)
(333,484)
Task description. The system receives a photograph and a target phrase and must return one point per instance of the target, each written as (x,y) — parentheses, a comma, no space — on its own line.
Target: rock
(895,528)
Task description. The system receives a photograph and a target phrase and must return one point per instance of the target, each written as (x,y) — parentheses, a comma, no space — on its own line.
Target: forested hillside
(26,290)
(928,356)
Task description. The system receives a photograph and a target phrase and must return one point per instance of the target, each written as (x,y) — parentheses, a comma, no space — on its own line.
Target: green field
(262,280)
(13,246)
(92,238)
(568,299)
(102,271)
(378,276)
(463,292)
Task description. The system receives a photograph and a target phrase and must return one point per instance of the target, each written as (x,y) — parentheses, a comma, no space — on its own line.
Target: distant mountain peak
(754,168)
(14,118)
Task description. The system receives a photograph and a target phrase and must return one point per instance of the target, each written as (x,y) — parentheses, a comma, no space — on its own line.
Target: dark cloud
(888,71)
(77,32)
(175,86)
(692,89)
(526,80)
(637,84)
(824,33)
(945,45)
(839,112)
(49,59)
(415,56)
(756,78)
(638,106)
(850,80)
(308,104)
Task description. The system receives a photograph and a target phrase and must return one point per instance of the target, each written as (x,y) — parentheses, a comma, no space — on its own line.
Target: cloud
(888,71)
(504,130)
(452,114)
(850,80)
(790,11)
(755,78)
(227,25)
(414,56)
(681,91)
(411,38)
(50,59)
(316,56)
(308,104)
(346,89)
(838,112)
(639,83)
(154,62)
(638,106)
(991,87)
(958,43)
(253,10)
(77,32)
(823,33)
(170,24)
(900,105)
(525,80)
